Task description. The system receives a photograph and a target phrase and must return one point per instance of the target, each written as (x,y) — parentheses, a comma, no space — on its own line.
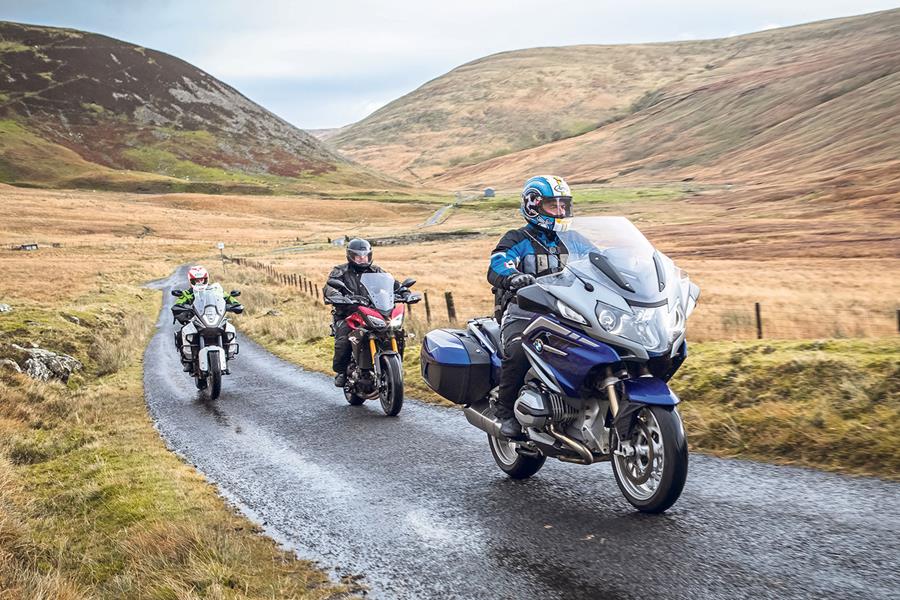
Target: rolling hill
(79,109)
(816,101)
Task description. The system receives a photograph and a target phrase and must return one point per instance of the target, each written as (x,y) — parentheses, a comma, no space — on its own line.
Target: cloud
(321,64)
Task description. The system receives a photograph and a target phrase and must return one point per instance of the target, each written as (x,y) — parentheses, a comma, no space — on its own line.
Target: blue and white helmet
(547,202)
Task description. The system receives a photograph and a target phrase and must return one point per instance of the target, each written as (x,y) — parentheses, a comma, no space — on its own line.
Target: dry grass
(92,504)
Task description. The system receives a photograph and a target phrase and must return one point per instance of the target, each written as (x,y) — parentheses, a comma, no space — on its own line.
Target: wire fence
(713,322)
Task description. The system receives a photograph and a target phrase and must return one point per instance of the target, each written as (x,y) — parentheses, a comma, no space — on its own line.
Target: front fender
(650,390)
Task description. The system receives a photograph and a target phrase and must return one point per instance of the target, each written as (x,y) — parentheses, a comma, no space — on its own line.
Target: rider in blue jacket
(521,255)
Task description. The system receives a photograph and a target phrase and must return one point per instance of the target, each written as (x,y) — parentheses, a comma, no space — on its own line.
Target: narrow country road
(416,505)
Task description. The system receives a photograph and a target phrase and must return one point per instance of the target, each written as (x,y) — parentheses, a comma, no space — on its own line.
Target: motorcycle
(376,339)
(606,335)
(207,338)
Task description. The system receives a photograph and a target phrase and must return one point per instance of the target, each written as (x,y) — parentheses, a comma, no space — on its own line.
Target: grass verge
(92,504)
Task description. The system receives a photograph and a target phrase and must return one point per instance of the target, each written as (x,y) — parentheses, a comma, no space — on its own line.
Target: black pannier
(456,365)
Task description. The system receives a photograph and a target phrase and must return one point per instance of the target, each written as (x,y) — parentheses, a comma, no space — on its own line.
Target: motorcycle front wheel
(652,476)
(507,457)
(391,389)
(214,378)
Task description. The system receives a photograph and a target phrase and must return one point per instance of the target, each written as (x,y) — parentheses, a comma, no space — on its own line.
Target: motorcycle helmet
(198,277)
(359,254)
(547,202)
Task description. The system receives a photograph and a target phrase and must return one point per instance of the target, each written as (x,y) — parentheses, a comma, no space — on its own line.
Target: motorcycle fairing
(569,354)
(650,390)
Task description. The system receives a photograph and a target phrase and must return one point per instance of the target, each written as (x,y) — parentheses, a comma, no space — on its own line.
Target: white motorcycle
(207,338)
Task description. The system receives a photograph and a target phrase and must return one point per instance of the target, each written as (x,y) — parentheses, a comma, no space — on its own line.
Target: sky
(321,64)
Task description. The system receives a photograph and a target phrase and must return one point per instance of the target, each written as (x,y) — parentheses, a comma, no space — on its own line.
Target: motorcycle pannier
(456,366)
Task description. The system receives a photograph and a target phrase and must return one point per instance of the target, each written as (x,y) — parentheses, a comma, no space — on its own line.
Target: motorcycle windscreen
(209,305)
(380,288)
(613,247)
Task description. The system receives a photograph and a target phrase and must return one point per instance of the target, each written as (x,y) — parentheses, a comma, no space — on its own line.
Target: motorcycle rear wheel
(515,465)
(653,478)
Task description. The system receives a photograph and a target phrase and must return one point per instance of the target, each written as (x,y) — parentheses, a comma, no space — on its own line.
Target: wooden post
(758,322)
(451,307)
(898,320)
(427,308)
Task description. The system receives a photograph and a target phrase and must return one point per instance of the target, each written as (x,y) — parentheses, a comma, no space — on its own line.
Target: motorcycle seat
(489,327)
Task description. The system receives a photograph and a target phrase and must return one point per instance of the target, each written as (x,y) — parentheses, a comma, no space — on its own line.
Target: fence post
(451,308)
(758,321)
(898,320)
(427,308)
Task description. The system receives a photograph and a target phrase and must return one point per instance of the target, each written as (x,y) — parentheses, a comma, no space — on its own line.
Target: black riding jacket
(351,278)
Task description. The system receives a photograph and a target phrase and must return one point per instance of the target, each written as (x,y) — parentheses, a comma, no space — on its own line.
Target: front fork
(373,349)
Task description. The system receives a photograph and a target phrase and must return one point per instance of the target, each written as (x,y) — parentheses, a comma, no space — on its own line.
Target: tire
(660,487)
(215,377)
(391,393)
(515,465)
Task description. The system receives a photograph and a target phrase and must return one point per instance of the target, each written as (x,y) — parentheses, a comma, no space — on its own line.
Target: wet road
(417,506)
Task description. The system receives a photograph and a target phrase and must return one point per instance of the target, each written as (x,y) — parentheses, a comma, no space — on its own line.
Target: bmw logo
(538,346)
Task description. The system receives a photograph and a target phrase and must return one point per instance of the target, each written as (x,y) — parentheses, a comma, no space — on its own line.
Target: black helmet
(359,254)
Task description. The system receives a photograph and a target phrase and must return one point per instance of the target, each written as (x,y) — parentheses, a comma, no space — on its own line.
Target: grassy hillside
(815,101)
(83,110)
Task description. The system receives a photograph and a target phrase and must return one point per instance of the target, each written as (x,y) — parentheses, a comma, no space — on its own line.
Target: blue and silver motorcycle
(606,335)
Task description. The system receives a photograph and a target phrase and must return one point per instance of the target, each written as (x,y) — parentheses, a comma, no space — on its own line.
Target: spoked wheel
(651,474)
(391,388)
(214,379)
(507,457)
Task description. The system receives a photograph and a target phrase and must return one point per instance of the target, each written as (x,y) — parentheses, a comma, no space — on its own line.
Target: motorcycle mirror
(177,293)
(235,293)
(407,283)
(337,284)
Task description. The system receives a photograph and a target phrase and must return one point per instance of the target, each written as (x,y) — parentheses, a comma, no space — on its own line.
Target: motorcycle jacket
(351,277)
(530,250)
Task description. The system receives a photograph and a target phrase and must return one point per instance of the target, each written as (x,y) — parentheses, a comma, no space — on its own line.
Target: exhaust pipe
(481,416)
(587,457)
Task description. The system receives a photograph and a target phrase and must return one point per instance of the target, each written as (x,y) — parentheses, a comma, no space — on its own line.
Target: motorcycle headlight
(210,316)
(646,326)
(376,322)
(397,322)
(608,319)
(570,313)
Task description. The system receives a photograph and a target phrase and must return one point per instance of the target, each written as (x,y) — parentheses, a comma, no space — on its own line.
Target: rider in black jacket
(359,262)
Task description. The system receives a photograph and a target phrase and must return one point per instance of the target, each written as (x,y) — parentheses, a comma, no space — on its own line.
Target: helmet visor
(556,206)
(199,280)
(359,257)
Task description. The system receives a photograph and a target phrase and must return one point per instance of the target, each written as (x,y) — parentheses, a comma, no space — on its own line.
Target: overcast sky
(330,63)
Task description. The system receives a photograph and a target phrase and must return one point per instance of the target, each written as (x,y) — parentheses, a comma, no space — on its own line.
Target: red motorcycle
(376,339)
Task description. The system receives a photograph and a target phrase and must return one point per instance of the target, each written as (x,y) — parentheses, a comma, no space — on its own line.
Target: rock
(6,363)
(44,365)
(5,308)
(71,318)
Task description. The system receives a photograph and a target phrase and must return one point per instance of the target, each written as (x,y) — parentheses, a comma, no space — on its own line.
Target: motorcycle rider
(522,255)
(359,262)
(198,280)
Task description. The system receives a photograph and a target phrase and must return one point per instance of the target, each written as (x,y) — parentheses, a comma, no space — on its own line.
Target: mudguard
(203,358)
(650,390)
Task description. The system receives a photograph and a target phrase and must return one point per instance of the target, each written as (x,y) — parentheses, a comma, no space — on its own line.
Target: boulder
(44,365)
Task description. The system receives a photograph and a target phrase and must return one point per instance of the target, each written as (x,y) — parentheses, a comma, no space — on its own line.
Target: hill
(79,109)
(815,98)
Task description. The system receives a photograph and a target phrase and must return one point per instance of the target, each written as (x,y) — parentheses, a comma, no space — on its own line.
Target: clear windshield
(380,287)
(606,249)
(210,305)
